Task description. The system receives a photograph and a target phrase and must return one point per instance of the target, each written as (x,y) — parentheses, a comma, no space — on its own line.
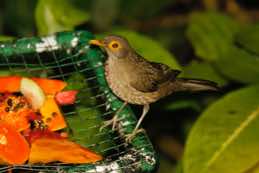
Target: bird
(137,81)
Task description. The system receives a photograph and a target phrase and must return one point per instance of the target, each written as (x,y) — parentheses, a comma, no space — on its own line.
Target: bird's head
(115,46)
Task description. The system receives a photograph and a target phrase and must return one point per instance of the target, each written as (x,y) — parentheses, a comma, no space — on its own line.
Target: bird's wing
(166,71)
(149,75)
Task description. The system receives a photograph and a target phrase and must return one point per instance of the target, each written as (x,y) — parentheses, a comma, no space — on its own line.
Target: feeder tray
(65,55)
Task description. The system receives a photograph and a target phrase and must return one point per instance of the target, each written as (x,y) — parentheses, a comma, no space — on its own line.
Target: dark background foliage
(216,40)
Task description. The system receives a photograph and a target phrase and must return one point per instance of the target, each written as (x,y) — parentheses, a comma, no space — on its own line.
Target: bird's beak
(96,43)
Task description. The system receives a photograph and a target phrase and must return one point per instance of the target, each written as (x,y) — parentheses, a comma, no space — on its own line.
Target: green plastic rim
(27,54)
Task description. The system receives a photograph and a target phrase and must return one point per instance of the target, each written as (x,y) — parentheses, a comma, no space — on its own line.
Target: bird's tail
(195,85)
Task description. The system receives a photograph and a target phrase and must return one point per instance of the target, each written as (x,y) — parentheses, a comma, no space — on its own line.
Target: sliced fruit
(18,121)
(33,93)
(10,84)
(14,149)
(51,114)
(46,150)
(14,110)
(66,97)
(50,86)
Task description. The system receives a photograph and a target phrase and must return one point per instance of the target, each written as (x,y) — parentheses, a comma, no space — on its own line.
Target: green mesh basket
(68,56)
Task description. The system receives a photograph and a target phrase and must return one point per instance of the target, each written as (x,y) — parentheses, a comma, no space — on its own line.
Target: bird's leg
(115,118)
(136,130)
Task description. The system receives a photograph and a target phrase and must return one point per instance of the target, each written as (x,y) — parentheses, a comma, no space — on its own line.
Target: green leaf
(254,170)
(203,70)
(238,64)
(22,72)
(85,127)
(59,15)
(213,38)
(76,82)
(6,38)
(183,104)
(248,38)
(85,124)
(210,34)
(225,137)
(148,48)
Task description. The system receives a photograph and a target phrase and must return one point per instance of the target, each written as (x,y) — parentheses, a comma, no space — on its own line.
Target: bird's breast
(119,78)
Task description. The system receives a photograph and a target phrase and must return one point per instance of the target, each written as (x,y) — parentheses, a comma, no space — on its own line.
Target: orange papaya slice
(47,150)
(10,84)
(51,114)
(14,149)
(49,86)
(14,110)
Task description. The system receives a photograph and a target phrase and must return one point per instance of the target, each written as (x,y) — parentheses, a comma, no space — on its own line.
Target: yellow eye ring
(114,45)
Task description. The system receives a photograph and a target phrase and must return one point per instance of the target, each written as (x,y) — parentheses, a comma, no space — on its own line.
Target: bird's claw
(112,122)
(131,136)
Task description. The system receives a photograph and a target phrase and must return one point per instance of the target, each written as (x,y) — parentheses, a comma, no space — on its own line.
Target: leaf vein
(232,137)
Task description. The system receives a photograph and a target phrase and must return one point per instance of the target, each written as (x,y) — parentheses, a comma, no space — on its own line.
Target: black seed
(10,102)
(34,124)
(7,109)
(48,120)
(54,114)
(18,106)
(38,113)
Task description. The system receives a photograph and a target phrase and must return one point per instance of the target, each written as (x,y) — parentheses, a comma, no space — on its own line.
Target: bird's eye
(114,45)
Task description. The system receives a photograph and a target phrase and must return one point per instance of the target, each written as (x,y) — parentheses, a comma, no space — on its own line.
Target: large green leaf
(59,15)
(85,124)
(254,169)
(211,33)
(213,37)
(203,70)
(149,48)
(85,129)
(225,137)
(249,38)
(238,64)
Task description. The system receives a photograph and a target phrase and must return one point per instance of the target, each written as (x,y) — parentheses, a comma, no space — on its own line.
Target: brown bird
(137,81)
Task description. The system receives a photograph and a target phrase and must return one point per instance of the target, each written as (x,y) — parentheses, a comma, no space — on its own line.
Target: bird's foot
(129,137)
(112,122)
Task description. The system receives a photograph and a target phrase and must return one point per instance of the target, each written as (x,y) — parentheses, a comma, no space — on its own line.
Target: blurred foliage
(248,38)
(207,39)
(6,38)
(204,70)
(211,34)
(59,15)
